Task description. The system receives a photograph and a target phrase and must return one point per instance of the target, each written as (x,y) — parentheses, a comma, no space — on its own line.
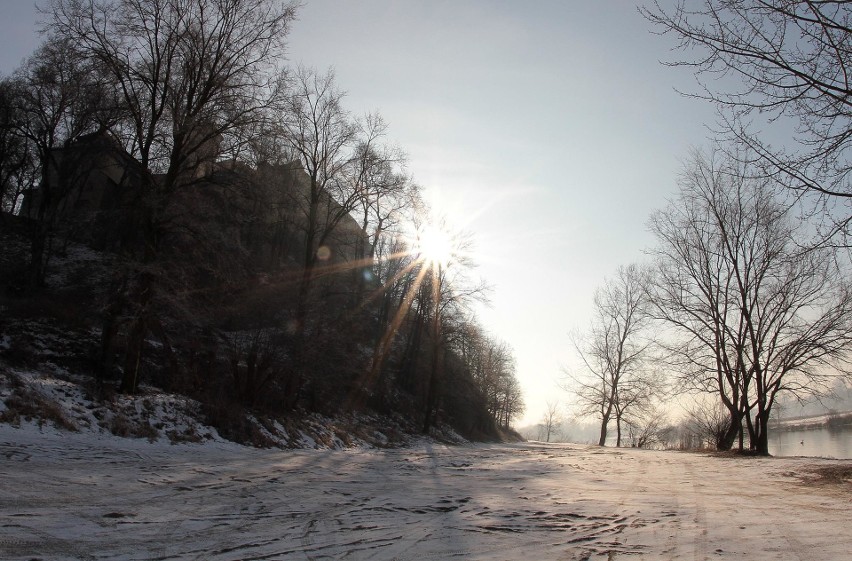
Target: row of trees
(747,295)
(733,304)
(695,430)
(181,85)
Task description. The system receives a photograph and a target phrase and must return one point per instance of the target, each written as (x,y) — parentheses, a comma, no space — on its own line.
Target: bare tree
(54,98)
(491,364)
(551,420)
(614,351)
(396,272)
(513,400)
(752,313)
(771,59)
(710,422)
(378,174)
(188,74)
(257,359)
(634,405)
(188,71)
(648,428)
(322,135)
(18,165)
(447,288)
(692,295)
(436,289)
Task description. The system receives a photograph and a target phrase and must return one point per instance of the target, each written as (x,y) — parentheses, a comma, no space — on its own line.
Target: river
(822,442)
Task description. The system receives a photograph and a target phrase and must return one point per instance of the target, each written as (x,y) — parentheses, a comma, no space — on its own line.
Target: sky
(550,130)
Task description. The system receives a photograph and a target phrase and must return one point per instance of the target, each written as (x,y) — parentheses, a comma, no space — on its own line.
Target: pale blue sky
(551,125)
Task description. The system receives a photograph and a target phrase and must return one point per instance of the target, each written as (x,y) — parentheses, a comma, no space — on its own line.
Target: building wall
(262,210)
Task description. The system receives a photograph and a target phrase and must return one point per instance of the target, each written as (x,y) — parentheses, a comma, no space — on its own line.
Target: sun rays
(434,246)
(418,268)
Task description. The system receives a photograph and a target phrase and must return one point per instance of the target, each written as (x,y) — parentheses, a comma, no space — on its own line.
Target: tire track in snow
(700,543)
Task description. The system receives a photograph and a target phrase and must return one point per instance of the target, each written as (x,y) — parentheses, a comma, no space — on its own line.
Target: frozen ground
(85,496)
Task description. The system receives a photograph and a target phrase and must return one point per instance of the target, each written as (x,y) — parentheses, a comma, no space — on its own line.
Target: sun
(434,245)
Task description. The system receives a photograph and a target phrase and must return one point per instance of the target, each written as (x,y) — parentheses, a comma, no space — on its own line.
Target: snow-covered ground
(95,496)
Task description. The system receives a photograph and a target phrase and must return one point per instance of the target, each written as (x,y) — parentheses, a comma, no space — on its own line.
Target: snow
(812,421)
(49,395)
(89,495)
(154,415)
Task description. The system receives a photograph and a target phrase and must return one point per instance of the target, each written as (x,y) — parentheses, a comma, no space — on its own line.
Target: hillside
(51,400)
(50,375)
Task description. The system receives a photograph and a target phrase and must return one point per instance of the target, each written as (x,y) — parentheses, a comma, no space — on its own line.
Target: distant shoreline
(840,420)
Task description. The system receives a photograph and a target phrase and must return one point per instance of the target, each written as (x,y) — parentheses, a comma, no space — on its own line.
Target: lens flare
(434,245)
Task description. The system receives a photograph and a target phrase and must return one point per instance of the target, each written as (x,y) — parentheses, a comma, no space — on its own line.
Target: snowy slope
(49,397)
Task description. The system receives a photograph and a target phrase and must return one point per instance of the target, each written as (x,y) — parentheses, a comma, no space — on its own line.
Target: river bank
(835,420)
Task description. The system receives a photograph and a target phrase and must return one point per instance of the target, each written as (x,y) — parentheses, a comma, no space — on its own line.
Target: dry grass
(190,434)
(839,474)
(121,425)
(28,405)
(230,420)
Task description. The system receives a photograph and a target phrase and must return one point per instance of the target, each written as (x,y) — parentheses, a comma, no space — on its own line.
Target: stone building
(95,194)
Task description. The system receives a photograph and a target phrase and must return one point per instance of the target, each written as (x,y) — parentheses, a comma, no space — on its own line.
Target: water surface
(820,442)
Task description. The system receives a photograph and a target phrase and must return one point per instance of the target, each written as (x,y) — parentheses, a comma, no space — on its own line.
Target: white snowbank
(49,396)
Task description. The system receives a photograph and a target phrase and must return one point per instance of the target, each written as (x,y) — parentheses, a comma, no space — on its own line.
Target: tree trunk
(431,394)
(109,327)
(39,251)
(761,443)
(730,436)
(136,337)
(604,423)
(618,431)
(133,356)
(412,351)
(435,371)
